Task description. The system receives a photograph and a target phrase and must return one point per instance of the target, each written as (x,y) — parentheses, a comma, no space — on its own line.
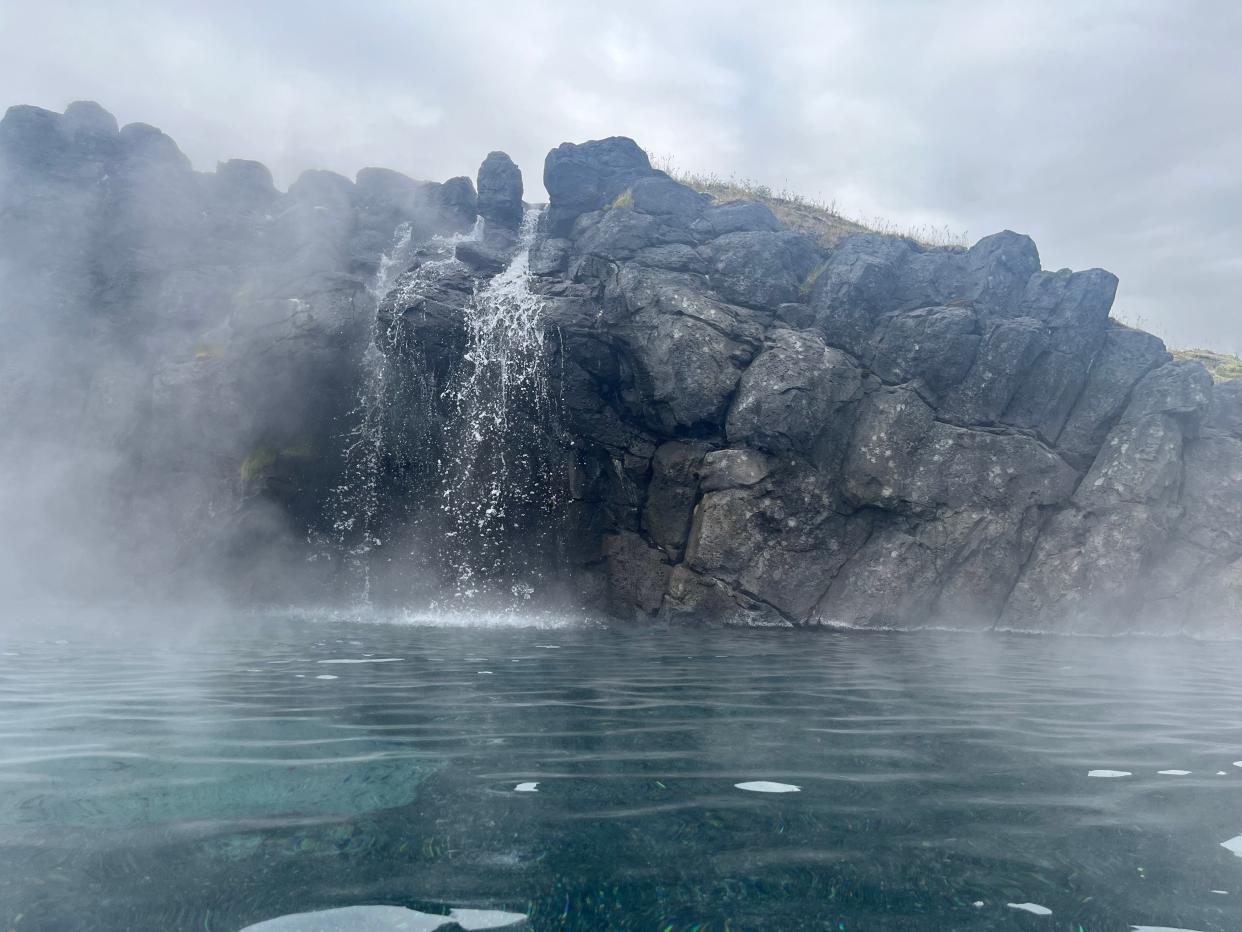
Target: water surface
(588,778)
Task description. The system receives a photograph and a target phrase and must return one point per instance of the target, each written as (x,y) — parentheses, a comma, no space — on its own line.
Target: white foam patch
(386,919)
(486,673)
(1159,929)
(365,660)
(327,676)
(1221,773)
(1221,892)
(485,918)
(527,788)
(1234,845)
(1109,774)
(1033,908)
(549,646)
(1174,773)
(767,786)
(1237,763)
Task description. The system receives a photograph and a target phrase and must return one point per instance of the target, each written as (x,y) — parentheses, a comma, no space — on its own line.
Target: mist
(548,467)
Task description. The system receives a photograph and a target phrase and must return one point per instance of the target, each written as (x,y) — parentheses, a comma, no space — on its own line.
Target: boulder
(500,191)
(589,176)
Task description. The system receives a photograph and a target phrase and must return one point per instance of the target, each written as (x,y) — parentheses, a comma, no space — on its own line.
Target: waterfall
(500,416)
(450,449)
(356,504)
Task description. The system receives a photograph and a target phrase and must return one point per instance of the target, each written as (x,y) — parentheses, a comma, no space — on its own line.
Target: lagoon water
(592,777)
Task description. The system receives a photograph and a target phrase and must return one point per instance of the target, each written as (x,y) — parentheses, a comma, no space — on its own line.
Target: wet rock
(734,468)
(781,541)
(672,493)
(637,574)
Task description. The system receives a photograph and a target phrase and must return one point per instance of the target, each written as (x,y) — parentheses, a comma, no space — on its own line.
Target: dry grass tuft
(820,219)
(1224,368)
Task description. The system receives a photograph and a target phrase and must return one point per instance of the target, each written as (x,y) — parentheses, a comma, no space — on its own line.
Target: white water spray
(499,390)
(356,502)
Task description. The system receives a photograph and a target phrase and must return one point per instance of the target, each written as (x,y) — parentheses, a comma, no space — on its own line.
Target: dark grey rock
(936,345)
(637,574)
(661,195)
(672,493)
(891,582)
(1182,389)
(737,217)
(590,176)
(1126,356)
(696,599)
(734,469)
(1225,412)
(780,542)
(760,269)
(797,394)
(902,459)
(500,191)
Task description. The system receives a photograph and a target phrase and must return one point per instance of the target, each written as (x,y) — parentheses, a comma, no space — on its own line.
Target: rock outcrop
(728,421)
(872,433)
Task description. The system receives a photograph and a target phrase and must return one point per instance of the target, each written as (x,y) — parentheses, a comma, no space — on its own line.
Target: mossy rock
(625,200)
(257,462)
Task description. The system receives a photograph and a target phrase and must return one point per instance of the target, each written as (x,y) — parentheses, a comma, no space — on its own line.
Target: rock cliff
(636,398)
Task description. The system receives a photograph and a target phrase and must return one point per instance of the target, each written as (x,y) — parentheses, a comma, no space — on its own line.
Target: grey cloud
(1108,131)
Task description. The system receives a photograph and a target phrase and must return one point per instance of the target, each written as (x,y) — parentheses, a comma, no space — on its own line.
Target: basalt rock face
(764,429)
(637,400)
(180,354)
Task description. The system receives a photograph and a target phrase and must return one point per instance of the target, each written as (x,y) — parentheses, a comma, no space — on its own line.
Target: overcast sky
(1111,132)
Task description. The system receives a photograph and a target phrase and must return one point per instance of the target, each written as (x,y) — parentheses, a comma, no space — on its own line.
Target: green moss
(809,282)
(624,200)
(1224,368)
(266,455)
(258,460)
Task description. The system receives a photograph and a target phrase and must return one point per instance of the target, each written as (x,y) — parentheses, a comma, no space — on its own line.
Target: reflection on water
(619,778)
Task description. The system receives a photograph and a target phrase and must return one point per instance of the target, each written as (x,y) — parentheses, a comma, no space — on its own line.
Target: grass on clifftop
(806,215)
(1224,368)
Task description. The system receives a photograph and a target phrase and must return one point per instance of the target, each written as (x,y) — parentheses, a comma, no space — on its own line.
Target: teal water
(216,781)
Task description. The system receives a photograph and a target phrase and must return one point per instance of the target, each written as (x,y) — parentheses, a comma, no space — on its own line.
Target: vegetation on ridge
(821,219)
(1224,367)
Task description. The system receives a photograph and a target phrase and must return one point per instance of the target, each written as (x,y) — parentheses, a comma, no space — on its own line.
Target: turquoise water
(245,773)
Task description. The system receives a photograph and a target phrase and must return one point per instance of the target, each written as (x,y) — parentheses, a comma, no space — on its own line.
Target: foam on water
(1033,908)
(1109,774)
(386,919)
(767,786)
(363,660)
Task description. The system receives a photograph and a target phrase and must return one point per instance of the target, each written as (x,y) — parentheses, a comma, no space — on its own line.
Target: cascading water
(357,503)
(500,417)
(449,448)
